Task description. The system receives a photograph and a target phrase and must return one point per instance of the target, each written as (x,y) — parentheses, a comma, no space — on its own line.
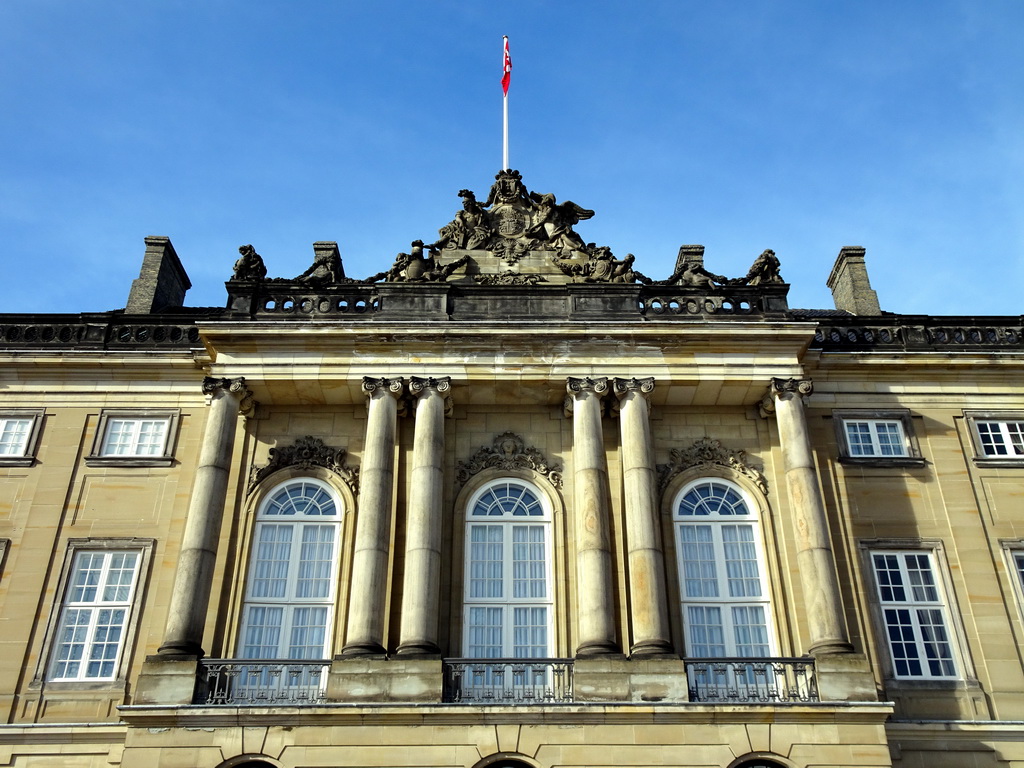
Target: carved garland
(707,452)
(508,451)
(305,453)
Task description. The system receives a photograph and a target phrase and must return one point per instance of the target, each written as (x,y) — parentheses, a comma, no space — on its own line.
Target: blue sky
(796,126)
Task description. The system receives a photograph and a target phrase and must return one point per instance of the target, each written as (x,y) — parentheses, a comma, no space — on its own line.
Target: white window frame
(507,602)
(102,453)
(1006,447)
(717,569)
(1014,550)
(874,419)
(24,452)
(290,603)
(913,603)
(49,659)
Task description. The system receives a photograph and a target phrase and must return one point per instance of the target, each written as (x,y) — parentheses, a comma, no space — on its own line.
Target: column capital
(784,388)
(424,385)
(393,387)
(420,384)
(582,387)
(235,387)
(623,387)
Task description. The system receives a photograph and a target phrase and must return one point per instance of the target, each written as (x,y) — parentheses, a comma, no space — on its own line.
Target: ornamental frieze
(508,451)
(707,453)
(305,453)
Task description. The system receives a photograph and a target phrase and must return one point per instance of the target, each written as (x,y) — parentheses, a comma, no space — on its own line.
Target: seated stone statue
(249,266)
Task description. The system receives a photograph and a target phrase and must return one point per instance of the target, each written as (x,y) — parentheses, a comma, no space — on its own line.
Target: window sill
(882,461)
(999,461)
(17,461)
(129,461)
(931,684)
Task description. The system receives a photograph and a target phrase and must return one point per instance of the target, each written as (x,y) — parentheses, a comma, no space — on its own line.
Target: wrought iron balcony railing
(261,682)
(747,681)
(507,681)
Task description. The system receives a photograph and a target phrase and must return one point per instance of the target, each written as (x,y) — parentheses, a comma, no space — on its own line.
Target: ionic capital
(393,387)
(623,387)
(234,387)
(419,386)
(784,388)
(582,388)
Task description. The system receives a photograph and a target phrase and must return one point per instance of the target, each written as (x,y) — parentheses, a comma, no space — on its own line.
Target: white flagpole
(505,67)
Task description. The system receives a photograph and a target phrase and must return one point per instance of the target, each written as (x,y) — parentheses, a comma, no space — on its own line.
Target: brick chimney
(161,283)
(851,289)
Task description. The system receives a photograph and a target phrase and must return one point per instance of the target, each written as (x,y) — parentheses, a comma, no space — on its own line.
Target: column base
(647,649)
(364,649)
(830,646)
(590,650)
(421,650)
(166,680)
(179,650)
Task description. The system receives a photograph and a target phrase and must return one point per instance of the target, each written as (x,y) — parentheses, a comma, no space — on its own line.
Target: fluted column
(193,579)
(815,560)
(365,632)
(648,602)
(595,585)
(422,582)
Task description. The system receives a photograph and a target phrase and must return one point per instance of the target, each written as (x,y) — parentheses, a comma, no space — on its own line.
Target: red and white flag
(506,78)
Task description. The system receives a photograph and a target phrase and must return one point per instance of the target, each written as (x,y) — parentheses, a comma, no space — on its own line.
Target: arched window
(725,602)
(508,600)
(293,572)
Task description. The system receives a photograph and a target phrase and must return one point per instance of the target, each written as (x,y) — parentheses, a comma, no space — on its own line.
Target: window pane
(529,570)
(273,558)
(262,636)
(485,633)
(698,554)
(486,551)
(14,436)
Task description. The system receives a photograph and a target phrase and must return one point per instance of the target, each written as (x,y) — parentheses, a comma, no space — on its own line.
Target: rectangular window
(1001,438)
(19,436)
(914,614)
(880,438)
(134,438)
(94,616)
(875,438)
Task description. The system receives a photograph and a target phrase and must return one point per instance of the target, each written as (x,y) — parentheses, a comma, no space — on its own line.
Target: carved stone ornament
(622,387)
(305,453)
(780,388)
(418,385)
(509,451)
(707,452)
(508,278)
(579,387)
(393,387)
(234,387)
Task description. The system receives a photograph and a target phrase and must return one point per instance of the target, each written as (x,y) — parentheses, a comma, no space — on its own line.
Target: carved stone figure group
(510,224)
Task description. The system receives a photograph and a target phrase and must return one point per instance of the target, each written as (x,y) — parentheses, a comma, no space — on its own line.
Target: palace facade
(510,502)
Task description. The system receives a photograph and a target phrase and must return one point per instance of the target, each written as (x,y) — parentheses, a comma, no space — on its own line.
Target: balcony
(502,682)
(751,681)
(261,682)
